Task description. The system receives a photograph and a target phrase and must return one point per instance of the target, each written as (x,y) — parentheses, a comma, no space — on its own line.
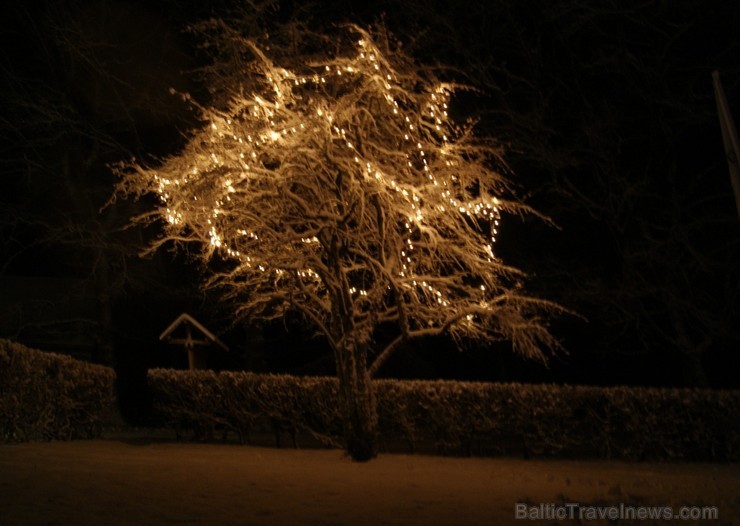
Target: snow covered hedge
(45,396)
(570,421)
(203,400)
(466,418)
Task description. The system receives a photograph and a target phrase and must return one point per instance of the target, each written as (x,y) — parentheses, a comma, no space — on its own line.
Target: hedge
(46,396)
(240,402)
(566,421)
(465,417)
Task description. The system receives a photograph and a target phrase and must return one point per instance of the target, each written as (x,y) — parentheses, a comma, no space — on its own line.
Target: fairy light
(425,185)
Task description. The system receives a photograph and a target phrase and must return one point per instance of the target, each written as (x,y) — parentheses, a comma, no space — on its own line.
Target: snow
(127,482)
(341,190)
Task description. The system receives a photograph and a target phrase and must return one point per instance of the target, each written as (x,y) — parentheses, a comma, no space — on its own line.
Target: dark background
(612,128)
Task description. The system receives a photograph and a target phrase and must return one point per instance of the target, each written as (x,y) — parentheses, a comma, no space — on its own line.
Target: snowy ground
(126,482)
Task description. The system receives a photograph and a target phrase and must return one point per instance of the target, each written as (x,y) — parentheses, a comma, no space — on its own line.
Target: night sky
(608,114)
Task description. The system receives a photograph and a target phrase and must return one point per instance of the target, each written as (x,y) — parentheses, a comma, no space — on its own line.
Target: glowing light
(303,124)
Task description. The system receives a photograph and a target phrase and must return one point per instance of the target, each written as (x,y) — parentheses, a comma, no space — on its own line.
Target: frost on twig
(341,188)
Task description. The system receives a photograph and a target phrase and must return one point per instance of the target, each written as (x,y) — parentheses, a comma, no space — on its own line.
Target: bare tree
(342,189)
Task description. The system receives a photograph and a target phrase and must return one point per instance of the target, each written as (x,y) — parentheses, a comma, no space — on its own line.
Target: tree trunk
(693,370)
(357,399)
(691,352)
(104,351)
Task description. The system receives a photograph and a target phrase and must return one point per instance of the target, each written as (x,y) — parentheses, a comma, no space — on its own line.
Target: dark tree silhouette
(612,118)
(71,102)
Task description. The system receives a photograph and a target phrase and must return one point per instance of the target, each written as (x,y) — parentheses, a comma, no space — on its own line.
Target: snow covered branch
(341,188)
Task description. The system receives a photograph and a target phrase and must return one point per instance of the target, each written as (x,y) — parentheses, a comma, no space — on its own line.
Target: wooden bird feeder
(194,337)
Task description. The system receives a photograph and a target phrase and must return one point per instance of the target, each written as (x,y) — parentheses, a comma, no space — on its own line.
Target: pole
(190,346)
(729,137)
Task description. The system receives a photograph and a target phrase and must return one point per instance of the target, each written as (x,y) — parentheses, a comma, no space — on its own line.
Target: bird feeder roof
(187,320)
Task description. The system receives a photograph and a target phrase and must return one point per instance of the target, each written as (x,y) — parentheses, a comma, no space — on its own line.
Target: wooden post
(190,347)
(729,137)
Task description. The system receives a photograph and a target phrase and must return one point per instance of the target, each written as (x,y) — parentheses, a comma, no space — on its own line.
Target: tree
(341,189)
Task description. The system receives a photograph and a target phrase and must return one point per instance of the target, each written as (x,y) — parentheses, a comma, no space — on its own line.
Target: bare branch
(341,188)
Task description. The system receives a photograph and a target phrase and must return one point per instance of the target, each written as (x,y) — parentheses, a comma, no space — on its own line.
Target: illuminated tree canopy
(342,189)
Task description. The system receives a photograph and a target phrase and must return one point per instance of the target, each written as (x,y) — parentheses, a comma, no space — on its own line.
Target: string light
(426,184)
